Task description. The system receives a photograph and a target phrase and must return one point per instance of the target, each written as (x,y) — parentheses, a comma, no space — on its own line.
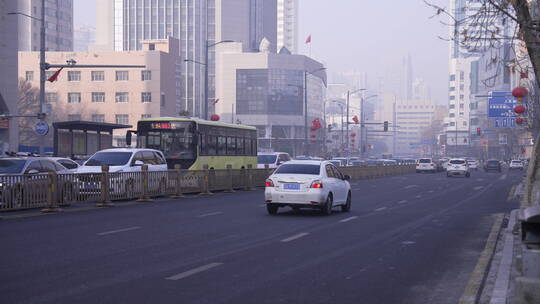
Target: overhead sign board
(501,104)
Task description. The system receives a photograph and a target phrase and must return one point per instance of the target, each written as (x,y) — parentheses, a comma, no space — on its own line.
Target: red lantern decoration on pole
(313,135)
(214,117)
(313,128)
(519,109)
(352,140)
(353,134)
(520,92)
(519,121)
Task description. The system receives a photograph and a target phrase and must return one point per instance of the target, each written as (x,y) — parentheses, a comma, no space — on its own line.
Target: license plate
(291,186)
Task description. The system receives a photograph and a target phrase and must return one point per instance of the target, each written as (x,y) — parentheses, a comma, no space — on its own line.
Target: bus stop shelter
(81,138)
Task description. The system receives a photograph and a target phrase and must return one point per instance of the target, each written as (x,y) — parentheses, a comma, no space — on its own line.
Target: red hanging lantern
(353,134)
(214,117)
(520,92)
(313,128)
(519,121)
(352,140)
(313,135)
(519,109)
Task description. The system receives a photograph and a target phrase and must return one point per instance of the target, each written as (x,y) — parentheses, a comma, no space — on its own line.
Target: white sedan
(308,184)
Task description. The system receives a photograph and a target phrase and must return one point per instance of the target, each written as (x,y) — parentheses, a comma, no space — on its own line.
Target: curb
(474,286)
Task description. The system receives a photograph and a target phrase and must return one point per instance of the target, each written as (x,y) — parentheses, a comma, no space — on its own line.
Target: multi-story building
(413,118)
(83,38)
(113,95)
(287,25)
(58,25)
(266,90)
(8,81)
(123,24)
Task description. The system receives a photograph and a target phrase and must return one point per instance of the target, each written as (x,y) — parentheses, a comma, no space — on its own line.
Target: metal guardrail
(52,191)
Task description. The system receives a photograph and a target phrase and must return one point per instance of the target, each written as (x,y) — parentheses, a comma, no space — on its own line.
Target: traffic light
(330,128)
(478,131)
(386,126)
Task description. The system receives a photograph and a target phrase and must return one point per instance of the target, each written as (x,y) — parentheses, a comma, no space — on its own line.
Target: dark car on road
(492,165)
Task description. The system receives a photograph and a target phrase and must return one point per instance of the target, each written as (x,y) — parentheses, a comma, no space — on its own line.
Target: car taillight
(269,183)
(316,185)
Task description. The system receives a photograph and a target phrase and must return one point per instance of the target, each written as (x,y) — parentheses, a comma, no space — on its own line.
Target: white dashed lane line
(119,230)
(193,271)
(410,186)
(210,214)
(380,209)
(478,188)
(348,219)
(402,202)
(294,237)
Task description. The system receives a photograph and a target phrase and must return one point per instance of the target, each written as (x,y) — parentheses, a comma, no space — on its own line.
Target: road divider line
(410,186)
(193,271)
(348,219)
(294,237)
(503,177)
(402,202)
(419,196)
(210,214)
(119,230)
(380,209)
(478,188)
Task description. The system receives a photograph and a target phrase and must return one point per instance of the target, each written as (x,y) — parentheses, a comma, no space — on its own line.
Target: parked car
(308,184)
(24,180)
(344,161)
(123,160)
(426,165)
(492,165)
(516,164)
(335,162)
(69,164)
(272,159)
(457,167)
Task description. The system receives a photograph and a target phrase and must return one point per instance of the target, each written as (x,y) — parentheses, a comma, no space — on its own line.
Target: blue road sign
(501,105)
(41,128)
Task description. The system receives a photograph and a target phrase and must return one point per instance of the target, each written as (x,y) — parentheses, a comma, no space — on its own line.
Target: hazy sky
(364,36)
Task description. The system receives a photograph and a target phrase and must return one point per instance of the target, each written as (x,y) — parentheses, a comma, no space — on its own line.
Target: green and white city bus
(193,143)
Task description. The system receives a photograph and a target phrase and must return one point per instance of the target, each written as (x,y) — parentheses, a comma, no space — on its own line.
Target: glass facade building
(269,92)
(190,21)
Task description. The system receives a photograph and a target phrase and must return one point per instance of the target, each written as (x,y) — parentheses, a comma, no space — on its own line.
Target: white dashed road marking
(294,237)
(349,219)
(380,209)
(410,186)
(402,202)
(210,214)
(119,230)
(193,271)
(503,177)
(478,188)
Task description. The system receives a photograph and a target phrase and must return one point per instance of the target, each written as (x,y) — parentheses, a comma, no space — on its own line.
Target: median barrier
(50,191)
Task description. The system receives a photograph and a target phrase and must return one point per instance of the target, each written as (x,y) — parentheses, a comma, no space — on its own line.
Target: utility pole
(394,130)
(305,115)
(42,67)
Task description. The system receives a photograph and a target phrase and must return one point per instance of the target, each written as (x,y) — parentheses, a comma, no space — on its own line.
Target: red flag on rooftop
(54,76)
(308,39)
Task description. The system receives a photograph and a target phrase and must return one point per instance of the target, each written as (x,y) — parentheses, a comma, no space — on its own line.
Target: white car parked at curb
(308,184)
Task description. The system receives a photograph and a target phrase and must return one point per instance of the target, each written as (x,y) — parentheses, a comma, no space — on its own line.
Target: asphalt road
(408,239)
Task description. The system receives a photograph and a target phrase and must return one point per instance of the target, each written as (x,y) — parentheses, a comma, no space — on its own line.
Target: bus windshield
(175,140)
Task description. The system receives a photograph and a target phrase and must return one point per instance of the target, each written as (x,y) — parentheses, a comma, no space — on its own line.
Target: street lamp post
(306,107)
(341,107)
(206,72)
(363,129)
(349,93)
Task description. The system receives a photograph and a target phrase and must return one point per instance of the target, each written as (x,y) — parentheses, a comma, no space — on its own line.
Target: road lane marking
(479,179)
(408,242)
(478,188)
(210,214)
(380,209)
(503,177)
(119,230)
(410,186)
(402,202)
(191,272)
(419,196)
(431,191)
(349,219)
(294,237)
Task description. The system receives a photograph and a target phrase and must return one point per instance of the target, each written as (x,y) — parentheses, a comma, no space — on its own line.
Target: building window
(72,117)
(29,76)
(451,115)
(146,75)
(452,97)
(452,124)
(146,97)
(146,116)
(452,89)
(452,106)
(122,97)
(452,77)
(98,76)
(122,119)
(98,96)
(51,97)
(74,76)
(152,47)
(461,75)
(162,100)
(461,106)
(122,75)
(48,74)
(98,117)
(464,123)
(461,97)
(74,97)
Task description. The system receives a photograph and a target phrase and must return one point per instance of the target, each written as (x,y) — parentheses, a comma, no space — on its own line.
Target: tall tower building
(287,25)
(59,25)
(123,24)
